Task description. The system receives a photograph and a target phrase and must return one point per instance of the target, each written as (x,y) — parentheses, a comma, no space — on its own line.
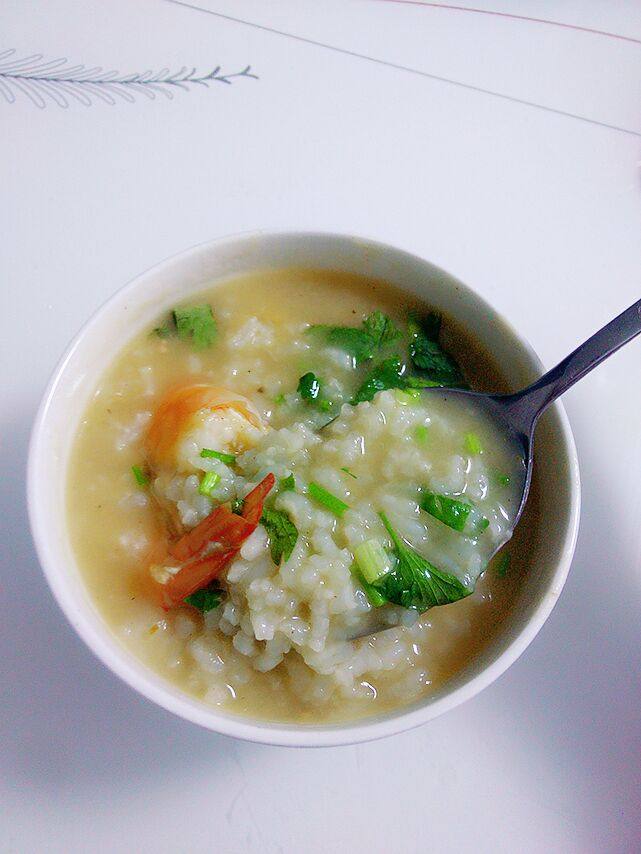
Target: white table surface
(531,195)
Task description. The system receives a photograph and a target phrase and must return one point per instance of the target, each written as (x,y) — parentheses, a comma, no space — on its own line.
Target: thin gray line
(469,86)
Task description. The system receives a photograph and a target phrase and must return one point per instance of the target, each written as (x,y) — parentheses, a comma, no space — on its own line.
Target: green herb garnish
(279,399)
(237,506)
(429,325)
(166,330)
(207,598)
(318,493)
(197,324)
(350,473)
(414,582)
(387,374)
(390,373)
(228,459)
(428,356)
(373,561)
(139,475)
(287,484)
(374,595)
(309,386)
(208,483)
(376,332)
(282,534)
(503,479)
(473,444)
(380,329)
(310,389)
(449,511)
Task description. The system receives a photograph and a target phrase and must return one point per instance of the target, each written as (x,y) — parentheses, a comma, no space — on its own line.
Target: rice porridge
(264,476)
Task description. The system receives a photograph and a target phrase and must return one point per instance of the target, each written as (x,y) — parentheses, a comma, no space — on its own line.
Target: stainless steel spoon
(517,414)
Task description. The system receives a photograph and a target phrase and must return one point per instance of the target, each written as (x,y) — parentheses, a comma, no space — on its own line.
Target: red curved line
(450,7)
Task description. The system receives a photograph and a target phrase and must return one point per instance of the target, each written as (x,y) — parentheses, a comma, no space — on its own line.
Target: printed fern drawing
(58,81)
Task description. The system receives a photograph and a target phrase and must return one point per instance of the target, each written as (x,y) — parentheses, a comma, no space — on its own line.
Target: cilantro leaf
(283,534)
(376,332)
(165,330)
(428,356)
(207,598)
(429,325)
(390,373)
(287,484)
(309,387)
(237,506)
(414,582)
(449,511)
(354,341)
(380,329)
(387,374)
(197,324)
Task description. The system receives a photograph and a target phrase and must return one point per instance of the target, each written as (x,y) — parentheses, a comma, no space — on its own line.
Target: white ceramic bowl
(140,303)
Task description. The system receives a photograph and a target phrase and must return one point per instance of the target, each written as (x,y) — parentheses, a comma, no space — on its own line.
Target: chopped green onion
(140,476)
(503,565)
(473,444)
(287,484)
(482,525)
(208,482)
(228,459)
(421,433)
(350,473)
(279,399)
(318,493)
(373,561)
(374,596)
(503,479)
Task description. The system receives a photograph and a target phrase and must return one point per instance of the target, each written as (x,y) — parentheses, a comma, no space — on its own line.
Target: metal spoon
(517,414)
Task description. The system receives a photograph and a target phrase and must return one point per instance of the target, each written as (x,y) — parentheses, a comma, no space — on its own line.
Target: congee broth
(260,477)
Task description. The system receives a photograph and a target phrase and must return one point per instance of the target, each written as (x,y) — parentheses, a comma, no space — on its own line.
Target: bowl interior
(140,303)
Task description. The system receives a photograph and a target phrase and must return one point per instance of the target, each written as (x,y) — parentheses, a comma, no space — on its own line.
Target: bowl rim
(146,682)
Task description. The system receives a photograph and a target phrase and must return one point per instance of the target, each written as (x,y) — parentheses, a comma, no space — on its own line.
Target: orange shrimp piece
(178,407)
(193,576)
(223,527)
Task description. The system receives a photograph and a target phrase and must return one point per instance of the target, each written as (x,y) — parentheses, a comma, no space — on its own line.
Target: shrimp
(196,416)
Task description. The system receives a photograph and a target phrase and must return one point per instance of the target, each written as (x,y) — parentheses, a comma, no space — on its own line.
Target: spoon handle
(527,405)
